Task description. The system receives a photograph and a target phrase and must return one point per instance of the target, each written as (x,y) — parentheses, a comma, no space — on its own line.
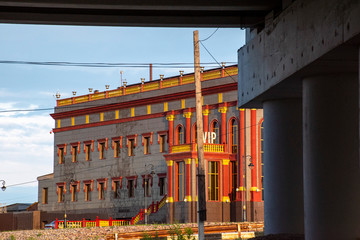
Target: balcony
(192,147)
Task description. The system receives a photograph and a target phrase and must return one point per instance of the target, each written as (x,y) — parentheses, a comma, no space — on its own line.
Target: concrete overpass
(300,63)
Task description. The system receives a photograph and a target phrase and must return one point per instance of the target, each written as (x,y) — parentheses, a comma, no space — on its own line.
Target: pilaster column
(170,117)
(331,156)
(206,119)
(283,178)
(226,180)
(170,192)
(223,110)
(254,190)
(187,115)
(188,179)
(241,155)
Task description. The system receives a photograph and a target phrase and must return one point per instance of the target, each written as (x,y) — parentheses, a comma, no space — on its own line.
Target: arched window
(215,128)
(234,135)
(179,135)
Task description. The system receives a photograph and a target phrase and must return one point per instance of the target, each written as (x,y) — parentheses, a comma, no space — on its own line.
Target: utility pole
(201,204)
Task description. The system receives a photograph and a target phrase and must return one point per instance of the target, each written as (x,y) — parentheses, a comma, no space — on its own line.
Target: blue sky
(26,145)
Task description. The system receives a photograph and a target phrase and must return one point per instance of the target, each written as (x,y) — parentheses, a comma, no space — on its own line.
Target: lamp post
(3,185)
(146,188)
(251,166)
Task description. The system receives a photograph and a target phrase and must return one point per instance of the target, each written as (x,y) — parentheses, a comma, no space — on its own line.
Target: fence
(153,208)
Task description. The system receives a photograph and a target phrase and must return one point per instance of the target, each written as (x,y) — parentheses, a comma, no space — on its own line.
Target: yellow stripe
(59,123)
(182,103)
(225,199)
(220,96)
(165,106)
(132,112)
(72,121)
(87,119)
(101,117)
(117,114)
(148,109)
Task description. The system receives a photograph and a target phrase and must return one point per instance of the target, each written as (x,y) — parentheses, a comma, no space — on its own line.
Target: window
(234,136)
(262,159)
(179,135)
(117,148)
(117,187)
(61,155)
(61,193)
(162,186)
(147,189)
(146,145)
(215,129)
(131,187)
(233,179)
(162,143)
(73,193)
(87,191)
(180,181)
(87,152)
(101,150)
(74,150)
(213,181)
(45,196)
(102,191)
(131,147)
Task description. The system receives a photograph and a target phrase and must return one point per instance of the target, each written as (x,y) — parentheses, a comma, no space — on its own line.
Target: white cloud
(26,148)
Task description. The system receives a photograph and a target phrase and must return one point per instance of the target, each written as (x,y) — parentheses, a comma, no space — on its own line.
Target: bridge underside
(150,13)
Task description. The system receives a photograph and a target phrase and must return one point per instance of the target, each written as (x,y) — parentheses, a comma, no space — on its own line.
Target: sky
(26,144)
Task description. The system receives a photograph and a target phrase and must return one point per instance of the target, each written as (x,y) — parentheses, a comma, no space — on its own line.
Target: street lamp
(152,173)
(251,166)
(3,185)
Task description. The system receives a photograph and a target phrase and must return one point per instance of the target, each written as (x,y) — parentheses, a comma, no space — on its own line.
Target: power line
(209,36)
(108,65)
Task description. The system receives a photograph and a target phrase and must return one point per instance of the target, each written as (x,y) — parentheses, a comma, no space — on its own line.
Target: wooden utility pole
(201,204)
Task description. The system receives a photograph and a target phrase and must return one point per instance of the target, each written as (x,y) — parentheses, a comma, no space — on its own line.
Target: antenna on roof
(121,73)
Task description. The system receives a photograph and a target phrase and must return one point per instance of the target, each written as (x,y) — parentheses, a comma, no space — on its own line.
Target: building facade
(120,150)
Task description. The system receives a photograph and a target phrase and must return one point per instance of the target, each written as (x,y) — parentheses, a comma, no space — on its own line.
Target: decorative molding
(116,179)
(148,176)
(134,136)
(114,139)
(61,146)
(144,101)
(89,142)
(89,182)
(101,180)
(144,135)
(103,140)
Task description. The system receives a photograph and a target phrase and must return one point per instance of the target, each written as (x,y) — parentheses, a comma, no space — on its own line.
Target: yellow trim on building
(225,161)
(72,121)
(165,106)
(169,199)
(170,163)
(225,199)
(220,97)
(254,189)
(117,114)
(187,115)
(197,162)
(241,109)
(132,112)
(188,198)
(187,161)
(101,117)
(87,119)
(170,117)
(149,109)
(241,189)
(58,123)
(206,112)
(223,109)
(182,103)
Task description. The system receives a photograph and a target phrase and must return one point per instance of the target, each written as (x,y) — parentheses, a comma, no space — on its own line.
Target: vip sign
(209,137)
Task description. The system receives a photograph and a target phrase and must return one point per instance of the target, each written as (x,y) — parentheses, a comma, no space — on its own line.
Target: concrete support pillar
(283,163)
(331,157)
